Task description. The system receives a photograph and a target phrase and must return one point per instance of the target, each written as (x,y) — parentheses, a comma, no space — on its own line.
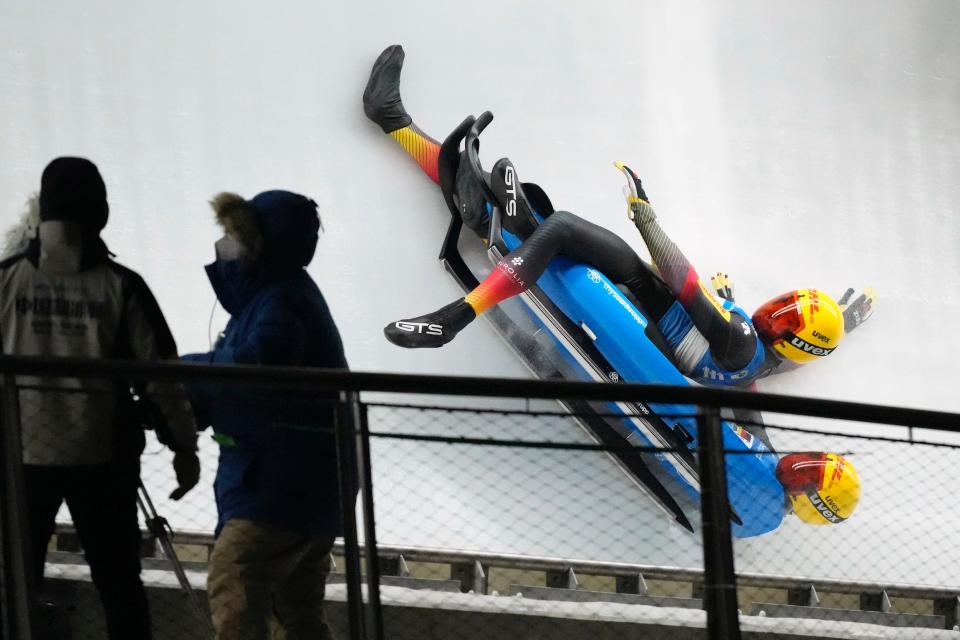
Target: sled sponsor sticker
(744,435)
(594,276)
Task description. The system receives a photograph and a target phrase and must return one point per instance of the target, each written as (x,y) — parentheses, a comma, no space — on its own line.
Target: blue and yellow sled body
(597,334)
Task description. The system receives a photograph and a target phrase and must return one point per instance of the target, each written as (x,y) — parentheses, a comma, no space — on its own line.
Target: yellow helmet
(801,325)
(823,488)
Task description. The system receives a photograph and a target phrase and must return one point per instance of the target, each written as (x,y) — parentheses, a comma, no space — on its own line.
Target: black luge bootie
(432,330)
(381,98)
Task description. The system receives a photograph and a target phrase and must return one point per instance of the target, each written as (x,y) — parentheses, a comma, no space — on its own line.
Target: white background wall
(787,144)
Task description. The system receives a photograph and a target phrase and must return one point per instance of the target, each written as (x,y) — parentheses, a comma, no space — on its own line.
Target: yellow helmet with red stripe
(823,488)
(801,325)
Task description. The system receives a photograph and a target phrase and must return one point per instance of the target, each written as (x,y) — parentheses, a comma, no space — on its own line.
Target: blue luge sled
(617,329)
(602,336)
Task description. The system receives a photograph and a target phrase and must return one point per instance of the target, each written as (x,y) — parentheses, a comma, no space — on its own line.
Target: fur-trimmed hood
(277,229)
(17,238)
(239,221)
(25,237)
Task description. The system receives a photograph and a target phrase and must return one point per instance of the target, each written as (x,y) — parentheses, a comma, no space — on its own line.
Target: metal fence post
(17,583)
(720,583)
(374,609)
(347,465)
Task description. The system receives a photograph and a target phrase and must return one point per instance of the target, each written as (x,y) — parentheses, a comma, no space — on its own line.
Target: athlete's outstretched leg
(561,233)
(382,104)
(730,336)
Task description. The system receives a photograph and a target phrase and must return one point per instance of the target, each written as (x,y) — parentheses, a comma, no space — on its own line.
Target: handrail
(329,380)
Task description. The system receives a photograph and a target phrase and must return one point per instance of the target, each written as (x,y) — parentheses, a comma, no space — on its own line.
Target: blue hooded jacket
(278,460)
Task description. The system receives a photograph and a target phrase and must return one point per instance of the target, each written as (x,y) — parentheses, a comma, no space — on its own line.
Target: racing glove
(856,313)
(638,204)
(723,285)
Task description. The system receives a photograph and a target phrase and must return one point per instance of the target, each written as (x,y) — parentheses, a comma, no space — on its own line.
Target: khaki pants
(264,576)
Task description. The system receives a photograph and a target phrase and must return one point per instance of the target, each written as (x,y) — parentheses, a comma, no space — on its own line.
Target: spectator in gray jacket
(62,295)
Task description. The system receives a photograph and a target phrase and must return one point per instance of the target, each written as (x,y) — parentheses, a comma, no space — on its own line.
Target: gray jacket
(61,298)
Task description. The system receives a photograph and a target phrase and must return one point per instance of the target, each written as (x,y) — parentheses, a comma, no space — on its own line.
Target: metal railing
(719,579)
(629,577)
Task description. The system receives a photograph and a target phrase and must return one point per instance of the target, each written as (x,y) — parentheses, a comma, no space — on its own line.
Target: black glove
(639,210)
(856,313)
(186,466)
(634,189)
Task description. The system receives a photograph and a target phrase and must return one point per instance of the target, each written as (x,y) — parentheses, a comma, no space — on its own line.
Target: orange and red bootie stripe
(505,281)
(421,147)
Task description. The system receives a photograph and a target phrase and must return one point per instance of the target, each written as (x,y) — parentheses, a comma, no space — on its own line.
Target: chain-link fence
(560,528)
(890,563)
(498,514)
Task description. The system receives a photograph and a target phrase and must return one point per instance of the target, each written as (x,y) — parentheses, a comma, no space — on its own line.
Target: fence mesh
(494,518)
(889,564)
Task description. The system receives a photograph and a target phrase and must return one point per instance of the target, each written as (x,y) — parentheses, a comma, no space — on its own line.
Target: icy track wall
(787,145)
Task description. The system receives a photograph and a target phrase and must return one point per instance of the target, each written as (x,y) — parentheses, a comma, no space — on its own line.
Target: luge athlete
(713,342)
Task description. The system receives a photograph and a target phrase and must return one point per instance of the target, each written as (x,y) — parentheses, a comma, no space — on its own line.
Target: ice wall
(787,144)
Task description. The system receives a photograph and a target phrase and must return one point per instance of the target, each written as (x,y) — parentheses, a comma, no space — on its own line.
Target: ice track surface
(787,145)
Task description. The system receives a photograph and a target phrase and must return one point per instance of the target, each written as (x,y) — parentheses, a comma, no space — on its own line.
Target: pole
(161,530)
(720,582)
(346,464)
(374,608)
(18,587)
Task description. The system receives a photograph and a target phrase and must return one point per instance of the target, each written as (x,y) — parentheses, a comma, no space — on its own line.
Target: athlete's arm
(382,104)
(723,285)
(731,336)
(856,313)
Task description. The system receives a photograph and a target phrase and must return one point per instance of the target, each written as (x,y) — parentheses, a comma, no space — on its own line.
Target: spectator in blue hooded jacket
(277,483)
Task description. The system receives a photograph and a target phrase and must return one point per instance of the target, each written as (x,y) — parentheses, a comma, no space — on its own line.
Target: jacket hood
(72,190)
(24,237)
(277,229)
